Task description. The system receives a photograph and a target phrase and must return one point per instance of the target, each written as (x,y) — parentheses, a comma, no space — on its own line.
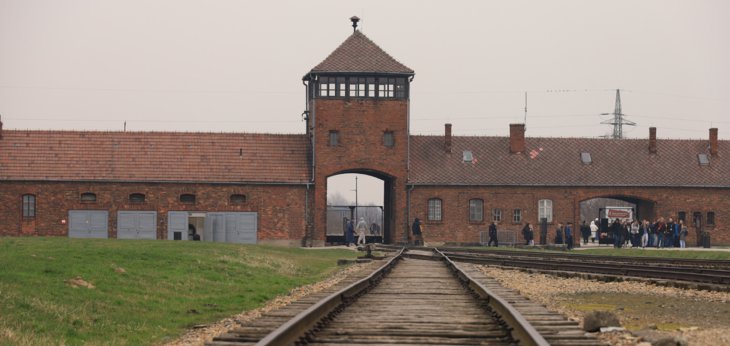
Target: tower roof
(358,54)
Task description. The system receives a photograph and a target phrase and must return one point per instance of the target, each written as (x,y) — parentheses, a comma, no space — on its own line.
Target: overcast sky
(236,66)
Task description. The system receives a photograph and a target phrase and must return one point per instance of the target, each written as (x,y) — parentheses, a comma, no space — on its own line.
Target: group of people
(361,228)
(563,235)
(660,234)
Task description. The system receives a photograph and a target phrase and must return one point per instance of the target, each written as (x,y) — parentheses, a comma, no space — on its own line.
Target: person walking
(645,230)
(349,233)
(362,228)
(594,230)
(417,232)
(493,235)
(559,234)
(616,229)
(531,234)
(585,232)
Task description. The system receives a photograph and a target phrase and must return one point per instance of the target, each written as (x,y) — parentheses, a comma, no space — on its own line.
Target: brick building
(266,188)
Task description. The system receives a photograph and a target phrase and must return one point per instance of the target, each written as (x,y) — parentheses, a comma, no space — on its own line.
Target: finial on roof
(354,20)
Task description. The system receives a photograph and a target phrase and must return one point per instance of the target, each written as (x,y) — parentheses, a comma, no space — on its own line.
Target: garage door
(137,225)
(232,227)
(88,224)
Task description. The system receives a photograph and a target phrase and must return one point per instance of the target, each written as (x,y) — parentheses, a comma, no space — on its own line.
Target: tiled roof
(358,54)
(153,156)
(557,162)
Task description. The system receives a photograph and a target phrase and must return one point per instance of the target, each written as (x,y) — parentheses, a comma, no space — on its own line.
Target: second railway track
(423,300)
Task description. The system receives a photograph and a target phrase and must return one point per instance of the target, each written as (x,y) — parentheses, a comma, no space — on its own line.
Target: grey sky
(182,65)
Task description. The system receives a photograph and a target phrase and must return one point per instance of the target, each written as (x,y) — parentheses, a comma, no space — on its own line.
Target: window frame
(710,218)
(334,138)
(137,198)
(476,210)
(517,215)
(188,198)
(543,206)
(88,197)
(497,215)
(435,210)
(28,206)
(386,136)
(237,198)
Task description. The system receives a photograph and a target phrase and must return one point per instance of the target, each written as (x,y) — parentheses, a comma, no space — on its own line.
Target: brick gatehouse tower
(357,122)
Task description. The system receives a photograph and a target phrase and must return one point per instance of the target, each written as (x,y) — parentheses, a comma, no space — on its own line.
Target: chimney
(713,140)
(652,140)
(1,129)
(516,138)
(447,138)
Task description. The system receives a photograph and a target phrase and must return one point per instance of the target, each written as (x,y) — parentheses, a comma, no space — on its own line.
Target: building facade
(272,189)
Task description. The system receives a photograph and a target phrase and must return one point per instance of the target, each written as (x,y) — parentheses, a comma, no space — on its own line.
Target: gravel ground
(205,333)
(649,312)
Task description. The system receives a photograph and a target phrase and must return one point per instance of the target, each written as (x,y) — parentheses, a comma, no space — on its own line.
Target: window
(710,217)
(468,156)
(136,198)
(400,88)
(371,87)
(357,87)
(545,210)
(704,159)
(88,197)
(187,198)
(386,87)
(327,86)
(28,206)
(586,158)
(434,209)
(497,215)
(238,199)
(476,210)
(517,215)
(388,139)
(334,138)
(341,87)
(682,215)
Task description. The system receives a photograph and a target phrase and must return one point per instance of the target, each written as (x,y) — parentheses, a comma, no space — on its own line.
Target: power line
(618,120)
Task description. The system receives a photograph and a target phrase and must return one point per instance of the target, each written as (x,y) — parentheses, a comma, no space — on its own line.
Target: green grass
(164,288)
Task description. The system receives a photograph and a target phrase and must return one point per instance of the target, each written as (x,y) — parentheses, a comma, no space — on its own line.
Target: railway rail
(420,298)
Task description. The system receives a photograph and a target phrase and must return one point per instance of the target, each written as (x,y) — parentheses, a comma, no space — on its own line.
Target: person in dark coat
(493,235)
(417,234)
(569,235)
(559,234)
(617,231)
(585,232)
(526,233)
(350,233)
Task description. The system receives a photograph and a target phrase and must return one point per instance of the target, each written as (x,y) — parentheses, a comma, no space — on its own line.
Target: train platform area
(690,248)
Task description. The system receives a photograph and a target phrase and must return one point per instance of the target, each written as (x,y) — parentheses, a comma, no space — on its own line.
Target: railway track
(422,299)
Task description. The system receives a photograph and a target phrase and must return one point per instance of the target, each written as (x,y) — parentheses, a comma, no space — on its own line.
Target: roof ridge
(348,57)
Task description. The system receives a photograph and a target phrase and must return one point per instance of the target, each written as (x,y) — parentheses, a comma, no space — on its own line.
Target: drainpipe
(408,213)
(307,226)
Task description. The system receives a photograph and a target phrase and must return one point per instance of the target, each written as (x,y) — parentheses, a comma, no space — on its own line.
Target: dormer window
(468,156)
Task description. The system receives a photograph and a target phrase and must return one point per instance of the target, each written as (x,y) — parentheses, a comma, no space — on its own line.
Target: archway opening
(605,209)
(352,196)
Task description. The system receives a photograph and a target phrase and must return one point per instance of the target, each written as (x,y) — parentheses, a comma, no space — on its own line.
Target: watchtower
(357,120)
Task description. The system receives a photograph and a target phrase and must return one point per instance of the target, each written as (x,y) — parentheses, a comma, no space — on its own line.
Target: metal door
(88,224)
(137,225)
(177,225)
(215,227)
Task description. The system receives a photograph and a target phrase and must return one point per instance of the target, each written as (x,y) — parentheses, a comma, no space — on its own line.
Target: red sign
(619,214)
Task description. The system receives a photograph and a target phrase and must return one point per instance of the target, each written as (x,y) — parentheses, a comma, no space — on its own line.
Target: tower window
(334,138)
(388,139)
(400,88)
(371,87)
(341,86)
(357,87)
(386,87)
(28,206)
(327,86)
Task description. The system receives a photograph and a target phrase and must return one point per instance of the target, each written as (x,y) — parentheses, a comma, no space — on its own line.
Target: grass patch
(145,292)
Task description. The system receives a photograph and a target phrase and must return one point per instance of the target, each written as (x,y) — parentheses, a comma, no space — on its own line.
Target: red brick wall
(280,208)
(455,225)
(361,124)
